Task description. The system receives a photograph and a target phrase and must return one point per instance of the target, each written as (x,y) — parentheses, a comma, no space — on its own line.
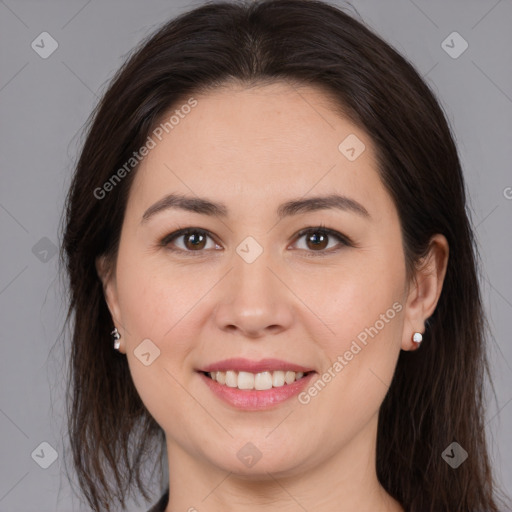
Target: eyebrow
(206,206)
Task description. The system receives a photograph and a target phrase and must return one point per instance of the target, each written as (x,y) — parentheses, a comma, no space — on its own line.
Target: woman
(268,215)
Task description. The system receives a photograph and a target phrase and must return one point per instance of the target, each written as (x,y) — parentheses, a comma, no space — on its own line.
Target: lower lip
(253,400)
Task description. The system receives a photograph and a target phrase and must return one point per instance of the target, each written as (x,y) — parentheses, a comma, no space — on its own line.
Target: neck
(344,482)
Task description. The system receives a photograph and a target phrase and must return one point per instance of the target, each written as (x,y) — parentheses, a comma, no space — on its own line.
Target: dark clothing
(162,503)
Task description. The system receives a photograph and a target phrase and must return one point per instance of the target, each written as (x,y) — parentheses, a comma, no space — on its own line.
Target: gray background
(43,105)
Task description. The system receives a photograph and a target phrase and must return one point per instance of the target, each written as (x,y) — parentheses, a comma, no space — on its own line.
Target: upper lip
(246,365)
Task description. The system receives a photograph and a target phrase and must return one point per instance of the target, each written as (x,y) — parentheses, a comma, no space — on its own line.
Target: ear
(107,276)
(425,290)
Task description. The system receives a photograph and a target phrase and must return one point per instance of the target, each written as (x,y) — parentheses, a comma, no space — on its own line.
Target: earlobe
(425,290)
(108,280)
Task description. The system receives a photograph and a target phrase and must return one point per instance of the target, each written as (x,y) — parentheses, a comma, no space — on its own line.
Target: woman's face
(250,286)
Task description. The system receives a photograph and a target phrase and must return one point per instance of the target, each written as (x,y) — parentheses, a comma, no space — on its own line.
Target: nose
(255,300)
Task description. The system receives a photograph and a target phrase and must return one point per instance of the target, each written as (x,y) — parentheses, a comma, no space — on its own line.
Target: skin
(253,149)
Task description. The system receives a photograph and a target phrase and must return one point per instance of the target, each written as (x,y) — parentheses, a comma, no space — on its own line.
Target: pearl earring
(417,337)
(116,335)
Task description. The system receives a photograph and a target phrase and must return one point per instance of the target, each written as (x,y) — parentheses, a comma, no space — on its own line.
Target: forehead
(256,143)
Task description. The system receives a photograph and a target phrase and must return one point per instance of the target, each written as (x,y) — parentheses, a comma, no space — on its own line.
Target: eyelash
(344,240)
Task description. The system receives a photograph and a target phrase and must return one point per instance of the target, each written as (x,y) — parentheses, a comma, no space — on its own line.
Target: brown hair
(436,396)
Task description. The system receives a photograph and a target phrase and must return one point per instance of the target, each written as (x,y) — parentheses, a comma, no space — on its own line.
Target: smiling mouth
(256,381)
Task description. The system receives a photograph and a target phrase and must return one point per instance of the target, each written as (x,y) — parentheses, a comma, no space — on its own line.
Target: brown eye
(192,240)
(319,240)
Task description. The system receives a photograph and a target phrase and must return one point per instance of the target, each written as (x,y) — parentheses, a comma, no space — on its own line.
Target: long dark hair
(436,396)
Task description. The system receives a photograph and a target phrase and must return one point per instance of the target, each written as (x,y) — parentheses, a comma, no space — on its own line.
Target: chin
(250,463)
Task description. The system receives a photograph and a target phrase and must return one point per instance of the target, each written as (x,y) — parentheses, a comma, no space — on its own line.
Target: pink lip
(246,365)
(253,400)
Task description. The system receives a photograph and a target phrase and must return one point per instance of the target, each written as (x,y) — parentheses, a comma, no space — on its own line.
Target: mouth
(260,381)
(248,391)
(254,385)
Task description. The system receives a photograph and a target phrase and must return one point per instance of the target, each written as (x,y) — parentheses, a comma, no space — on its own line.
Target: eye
(194,240)
(317,240)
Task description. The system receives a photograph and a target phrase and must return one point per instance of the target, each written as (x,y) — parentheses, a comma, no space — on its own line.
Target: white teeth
(263,381)
(231,379)
(259,381)
(278,379)
(289,377)
(245,380)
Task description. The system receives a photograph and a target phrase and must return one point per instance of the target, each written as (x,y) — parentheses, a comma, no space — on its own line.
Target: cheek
(361,329)
(154,306)
(153,296)
(351,299)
